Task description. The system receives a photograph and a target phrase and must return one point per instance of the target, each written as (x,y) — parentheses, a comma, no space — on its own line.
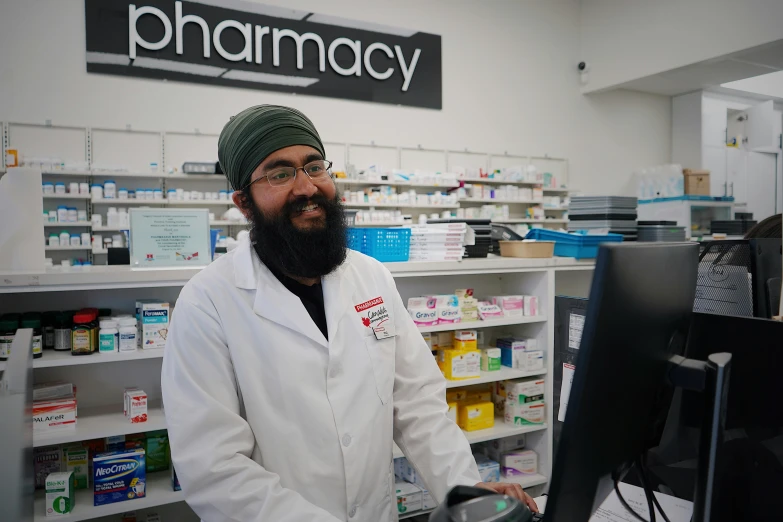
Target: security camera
(583,67)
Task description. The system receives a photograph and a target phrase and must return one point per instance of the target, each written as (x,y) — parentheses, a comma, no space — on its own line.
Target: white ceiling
(749,63)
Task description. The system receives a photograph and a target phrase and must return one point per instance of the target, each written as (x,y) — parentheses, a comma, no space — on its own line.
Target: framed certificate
(169,238)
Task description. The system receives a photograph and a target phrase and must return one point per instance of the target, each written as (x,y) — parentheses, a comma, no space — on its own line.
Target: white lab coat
(270,422)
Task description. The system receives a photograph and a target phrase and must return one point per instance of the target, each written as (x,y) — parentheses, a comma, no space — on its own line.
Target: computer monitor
(766,266)
(641,303)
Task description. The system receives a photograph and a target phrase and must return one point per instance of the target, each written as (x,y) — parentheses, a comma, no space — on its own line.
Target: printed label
(5,346)
(369,304)
(37,344)
(80,341)
(107,342)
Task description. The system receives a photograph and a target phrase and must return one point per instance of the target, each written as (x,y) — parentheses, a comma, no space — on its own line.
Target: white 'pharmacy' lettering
(254,37)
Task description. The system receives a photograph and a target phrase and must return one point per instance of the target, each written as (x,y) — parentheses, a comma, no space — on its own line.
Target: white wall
(509,85)
(625,40)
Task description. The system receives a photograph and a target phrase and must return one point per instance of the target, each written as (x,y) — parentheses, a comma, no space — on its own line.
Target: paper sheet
(576,323)
(612,510)
(565,389)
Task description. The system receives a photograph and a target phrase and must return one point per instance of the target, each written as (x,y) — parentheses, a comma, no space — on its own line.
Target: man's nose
(303,185)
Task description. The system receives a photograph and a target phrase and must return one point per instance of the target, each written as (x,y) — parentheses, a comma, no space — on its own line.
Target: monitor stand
(710,377)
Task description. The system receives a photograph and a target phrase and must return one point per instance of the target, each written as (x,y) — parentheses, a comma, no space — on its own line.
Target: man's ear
(243,203)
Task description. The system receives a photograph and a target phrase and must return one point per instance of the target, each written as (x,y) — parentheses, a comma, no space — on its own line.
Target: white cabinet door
(760,128)
(713,122)
(714,160)
(736,174)
(761,172)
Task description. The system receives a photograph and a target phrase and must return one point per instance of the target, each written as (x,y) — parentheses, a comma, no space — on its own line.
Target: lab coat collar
(276,303)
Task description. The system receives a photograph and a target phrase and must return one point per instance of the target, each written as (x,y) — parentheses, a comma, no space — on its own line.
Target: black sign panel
(243,44)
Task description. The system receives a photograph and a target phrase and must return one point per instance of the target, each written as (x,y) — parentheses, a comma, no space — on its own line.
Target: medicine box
(530,414)
(532,361)
(524,391)
(488,469)
(136,406)
(403,470)
(427,502)
(490,359)
(408,497)
(478,393)
(119,476)
(52,390)
(60,494)
(531,305)
(459,364)
(46,461)
(465,335)
(472,416)
(456,395)
(519,463)
(157,451)
(115,443)
(152,319)
(77,462)
(54,414)
(496,448)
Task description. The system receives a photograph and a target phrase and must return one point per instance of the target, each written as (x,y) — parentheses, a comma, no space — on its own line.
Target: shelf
(202,202)
(119,174)
(68,224)
(227,223)
(158,493)
(100,251)
(503,374)
(396,205)
(110,277)
(381,224)
(109,229)
(197,177)
(529,221)
(66,248)
(66,172)
(557,190)
(403,516)
(66,196)
(53,358)
(526,481)
(480,181)
(502,201)
(489,323)
(126,202)
(562,209)
(104,421)
(344,181)
(499,431)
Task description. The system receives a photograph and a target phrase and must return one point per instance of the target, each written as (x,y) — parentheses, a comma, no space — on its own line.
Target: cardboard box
(47,460)
(472,416)
(488,468)
(427,502)
(408,497)
(697,182)
(458,364)
(157,451)
(519,463)
(490,359)
(119,476)
(60,494)
(77,461)
(54,415)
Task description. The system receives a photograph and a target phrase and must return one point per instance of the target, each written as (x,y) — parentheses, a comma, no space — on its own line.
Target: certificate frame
(169,238)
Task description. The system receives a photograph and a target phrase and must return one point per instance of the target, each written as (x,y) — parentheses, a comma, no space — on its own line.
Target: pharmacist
(292,364)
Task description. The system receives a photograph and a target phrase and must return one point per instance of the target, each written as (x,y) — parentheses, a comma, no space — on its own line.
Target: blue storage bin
(578,244)
(384,244)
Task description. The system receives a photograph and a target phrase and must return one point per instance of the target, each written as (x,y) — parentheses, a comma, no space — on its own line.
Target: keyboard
(537,517)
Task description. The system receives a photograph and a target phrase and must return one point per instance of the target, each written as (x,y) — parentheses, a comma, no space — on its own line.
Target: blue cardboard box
(119,476)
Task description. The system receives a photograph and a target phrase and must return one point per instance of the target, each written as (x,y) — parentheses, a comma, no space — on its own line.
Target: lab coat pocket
(381,353)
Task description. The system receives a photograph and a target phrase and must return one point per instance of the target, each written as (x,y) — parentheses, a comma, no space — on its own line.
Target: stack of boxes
(513,458)
(520,354)
(462,359)
(471,408)
(54,407)
(412,493)
(522,401)
(468,304)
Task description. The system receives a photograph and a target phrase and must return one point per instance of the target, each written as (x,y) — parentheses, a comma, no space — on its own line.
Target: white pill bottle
(127,331)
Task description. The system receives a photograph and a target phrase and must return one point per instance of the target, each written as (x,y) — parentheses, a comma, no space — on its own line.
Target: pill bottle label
(127,342)
(49,337)
(81,341)
(37,344)
(107,342)
(5,346)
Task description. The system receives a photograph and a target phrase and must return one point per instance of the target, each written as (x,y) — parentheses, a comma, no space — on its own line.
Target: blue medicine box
(119,476)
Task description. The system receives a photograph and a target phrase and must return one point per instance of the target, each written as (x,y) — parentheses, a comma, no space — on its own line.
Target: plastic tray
(384,244)
(578,244)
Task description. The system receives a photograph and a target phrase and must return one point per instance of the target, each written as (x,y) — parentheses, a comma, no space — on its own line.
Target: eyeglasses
(317,171)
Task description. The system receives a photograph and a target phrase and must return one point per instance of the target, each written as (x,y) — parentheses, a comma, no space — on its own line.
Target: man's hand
(512,490)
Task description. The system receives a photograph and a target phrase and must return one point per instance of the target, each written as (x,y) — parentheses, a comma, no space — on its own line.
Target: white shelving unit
(501,201)
(66,196)
(502,374)
(117,202)
(403,184)
(158,493)
(492,181)
(66,248)
(200,202)
(56,359)
(529,221)
(489,323)
(100,422)
(561,190)
(397,205)
(68,224)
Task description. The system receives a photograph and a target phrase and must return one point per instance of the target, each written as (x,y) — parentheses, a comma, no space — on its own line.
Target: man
(291,362)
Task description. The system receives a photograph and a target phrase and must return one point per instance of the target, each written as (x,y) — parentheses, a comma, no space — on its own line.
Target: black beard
(286,249)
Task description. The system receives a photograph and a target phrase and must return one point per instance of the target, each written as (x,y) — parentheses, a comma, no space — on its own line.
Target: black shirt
(312,298)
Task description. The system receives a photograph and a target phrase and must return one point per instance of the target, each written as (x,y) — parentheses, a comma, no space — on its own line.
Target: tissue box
(408,497)
(519,463)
